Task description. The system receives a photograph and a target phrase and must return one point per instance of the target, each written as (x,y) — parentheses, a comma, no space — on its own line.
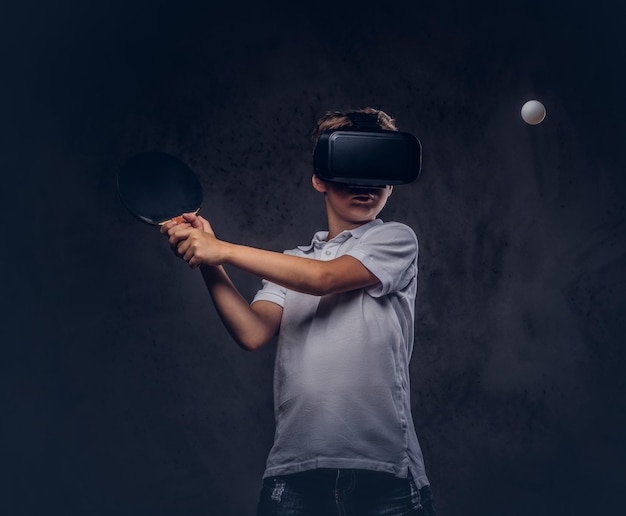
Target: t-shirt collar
(319,239)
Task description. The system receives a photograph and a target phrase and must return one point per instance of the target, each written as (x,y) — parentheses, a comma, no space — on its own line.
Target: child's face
(353,205)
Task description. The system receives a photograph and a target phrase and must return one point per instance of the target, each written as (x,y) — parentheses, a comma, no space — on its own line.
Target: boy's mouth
(363,197)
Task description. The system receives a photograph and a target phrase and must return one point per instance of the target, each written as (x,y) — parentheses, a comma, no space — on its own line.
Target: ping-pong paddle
(157,187)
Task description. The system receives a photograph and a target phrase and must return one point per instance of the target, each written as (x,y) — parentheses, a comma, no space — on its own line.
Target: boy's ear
(318,184)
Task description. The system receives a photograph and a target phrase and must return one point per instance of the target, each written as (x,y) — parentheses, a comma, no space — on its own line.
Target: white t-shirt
(341,377)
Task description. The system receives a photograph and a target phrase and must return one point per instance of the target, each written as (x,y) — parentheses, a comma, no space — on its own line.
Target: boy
(343,308)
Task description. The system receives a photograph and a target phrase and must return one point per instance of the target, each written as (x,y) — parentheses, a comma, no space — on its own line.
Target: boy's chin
(362,218)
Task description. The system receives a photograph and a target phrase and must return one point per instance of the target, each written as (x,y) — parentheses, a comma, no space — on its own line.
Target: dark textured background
(122,393)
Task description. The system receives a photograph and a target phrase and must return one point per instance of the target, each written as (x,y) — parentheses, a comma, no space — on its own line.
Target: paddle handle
(179,220)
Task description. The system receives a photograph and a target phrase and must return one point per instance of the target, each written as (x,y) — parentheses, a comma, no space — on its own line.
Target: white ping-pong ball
(533,112)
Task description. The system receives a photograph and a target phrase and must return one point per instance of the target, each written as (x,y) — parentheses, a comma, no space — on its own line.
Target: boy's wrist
(227,252)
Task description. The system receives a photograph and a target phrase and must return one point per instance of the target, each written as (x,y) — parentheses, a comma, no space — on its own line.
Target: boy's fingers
(194,262)
(181,231)
(204,224)
(183,248)
(178,238)
(166,227)
(193,219)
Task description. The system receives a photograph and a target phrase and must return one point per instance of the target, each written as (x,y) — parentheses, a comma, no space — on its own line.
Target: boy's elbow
(254,339)
(323,284)
(249,344)
(247,347)
(330,279)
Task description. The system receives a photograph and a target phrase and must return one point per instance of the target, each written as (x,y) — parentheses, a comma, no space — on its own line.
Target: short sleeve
(271,292)
(389,251)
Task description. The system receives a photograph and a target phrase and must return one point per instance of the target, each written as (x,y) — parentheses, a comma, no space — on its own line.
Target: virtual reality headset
(367,156)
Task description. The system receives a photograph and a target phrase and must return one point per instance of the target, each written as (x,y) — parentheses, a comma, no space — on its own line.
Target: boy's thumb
(192,218)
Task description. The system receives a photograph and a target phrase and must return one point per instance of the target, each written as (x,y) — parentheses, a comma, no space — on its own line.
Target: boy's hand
(191,220)
(194,241)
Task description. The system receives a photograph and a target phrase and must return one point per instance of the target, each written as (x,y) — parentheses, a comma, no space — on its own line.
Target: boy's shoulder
(375,232)
(392,224)
(390,229)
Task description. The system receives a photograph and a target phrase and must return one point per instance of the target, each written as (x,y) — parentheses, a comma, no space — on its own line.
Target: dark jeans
(343,492)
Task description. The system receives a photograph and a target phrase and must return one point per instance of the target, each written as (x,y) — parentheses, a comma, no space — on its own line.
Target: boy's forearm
(296,273)
(242,322)
(310,276)
(306,275)
(199,247)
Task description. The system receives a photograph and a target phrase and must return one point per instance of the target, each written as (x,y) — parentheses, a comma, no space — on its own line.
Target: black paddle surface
(157,187)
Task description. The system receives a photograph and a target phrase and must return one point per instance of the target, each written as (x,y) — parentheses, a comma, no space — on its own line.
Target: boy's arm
(251,326)
(197,245)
